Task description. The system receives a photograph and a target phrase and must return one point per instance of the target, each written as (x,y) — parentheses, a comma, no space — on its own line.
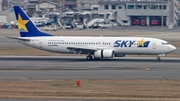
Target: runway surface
(53,100)
(45,67)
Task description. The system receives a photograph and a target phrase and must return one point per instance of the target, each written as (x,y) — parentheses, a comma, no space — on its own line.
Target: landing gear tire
(89,58)
(158,59)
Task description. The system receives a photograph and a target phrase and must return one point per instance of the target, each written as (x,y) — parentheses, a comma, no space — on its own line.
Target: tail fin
(25,25)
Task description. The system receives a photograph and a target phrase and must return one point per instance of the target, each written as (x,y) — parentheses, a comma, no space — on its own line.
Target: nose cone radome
(172,48)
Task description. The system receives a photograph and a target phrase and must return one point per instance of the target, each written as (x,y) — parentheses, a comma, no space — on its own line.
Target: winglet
(25,25)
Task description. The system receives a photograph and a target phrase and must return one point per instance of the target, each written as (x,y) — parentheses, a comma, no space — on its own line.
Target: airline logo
(128,43)
(22,23)
(143,43)
(124,43)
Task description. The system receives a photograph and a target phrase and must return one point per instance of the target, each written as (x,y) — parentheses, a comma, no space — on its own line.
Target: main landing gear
(158,59)
(89,57)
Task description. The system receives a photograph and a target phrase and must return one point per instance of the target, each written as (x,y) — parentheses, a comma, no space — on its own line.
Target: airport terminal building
(142,12)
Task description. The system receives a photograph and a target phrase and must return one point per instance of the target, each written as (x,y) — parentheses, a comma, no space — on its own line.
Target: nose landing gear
(160,55)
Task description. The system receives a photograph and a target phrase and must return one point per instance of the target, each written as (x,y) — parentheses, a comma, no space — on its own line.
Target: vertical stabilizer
(25,25)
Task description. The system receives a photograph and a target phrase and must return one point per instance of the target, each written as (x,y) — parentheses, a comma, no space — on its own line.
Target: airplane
(94,47)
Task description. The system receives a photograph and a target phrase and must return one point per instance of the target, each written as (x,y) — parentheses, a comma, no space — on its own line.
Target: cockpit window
(165,43)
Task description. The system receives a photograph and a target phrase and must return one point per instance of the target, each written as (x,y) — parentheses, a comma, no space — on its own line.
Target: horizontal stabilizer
(17,38)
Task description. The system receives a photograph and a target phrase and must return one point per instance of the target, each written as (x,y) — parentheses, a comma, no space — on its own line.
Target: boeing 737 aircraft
(94,47)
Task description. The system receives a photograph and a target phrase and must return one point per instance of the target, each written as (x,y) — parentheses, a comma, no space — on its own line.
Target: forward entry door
(154,44)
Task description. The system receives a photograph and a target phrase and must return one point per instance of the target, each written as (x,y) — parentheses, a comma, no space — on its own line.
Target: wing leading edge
(82,50)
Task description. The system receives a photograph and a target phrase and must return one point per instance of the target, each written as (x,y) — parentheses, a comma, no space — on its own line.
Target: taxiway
(50,67)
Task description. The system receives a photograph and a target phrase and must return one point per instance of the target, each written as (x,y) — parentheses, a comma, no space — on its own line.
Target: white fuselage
(120,45)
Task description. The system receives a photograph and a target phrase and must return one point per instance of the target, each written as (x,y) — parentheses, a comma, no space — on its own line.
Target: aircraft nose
(172,48)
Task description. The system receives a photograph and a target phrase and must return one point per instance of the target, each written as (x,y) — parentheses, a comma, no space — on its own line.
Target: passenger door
(154,44)
(40,43)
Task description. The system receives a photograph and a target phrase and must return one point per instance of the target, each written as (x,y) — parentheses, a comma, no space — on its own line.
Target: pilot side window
(164,43)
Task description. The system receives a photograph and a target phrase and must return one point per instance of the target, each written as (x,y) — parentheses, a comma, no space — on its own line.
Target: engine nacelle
(106,53)
(119,55)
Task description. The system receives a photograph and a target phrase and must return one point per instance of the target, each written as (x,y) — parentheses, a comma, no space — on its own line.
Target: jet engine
(106,53)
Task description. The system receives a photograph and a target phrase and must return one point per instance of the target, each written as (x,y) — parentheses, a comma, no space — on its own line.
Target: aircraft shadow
(84,60)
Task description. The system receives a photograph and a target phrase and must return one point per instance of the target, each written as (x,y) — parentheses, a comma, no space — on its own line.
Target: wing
(81,50)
